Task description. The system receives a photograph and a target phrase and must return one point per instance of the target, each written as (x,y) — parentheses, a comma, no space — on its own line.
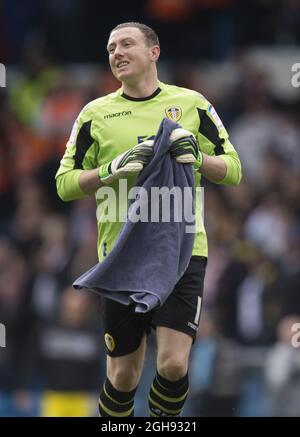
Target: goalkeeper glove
(133,160)
(184,148)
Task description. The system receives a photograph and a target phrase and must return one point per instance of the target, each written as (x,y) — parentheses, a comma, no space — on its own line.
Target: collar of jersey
(142,99)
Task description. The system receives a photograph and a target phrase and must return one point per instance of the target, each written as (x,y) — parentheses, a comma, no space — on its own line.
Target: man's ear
(155,52)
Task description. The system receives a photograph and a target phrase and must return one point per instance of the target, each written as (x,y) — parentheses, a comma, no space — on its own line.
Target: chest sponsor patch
(73,132)
(215,116)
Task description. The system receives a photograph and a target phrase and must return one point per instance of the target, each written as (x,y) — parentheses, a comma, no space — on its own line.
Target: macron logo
(117,114)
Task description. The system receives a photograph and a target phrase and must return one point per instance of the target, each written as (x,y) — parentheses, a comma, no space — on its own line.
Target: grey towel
(149,258)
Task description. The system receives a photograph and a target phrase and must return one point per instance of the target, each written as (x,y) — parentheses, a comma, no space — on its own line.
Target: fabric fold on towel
(150,257)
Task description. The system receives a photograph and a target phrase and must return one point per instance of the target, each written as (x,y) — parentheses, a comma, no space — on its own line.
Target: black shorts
(124,328)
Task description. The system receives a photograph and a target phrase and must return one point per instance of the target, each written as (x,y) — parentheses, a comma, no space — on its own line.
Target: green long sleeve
(234,169)
(67,185)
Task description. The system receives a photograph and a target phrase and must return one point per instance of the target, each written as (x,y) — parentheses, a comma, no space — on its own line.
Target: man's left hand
(184,148)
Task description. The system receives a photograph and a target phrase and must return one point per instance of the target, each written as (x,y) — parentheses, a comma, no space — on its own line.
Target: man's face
(129,55)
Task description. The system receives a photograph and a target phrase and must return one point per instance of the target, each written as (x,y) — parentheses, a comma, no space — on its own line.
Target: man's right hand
(133,160)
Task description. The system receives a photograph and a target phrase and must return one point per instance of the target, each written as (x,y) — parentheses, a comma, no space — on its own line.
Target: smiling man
(112,138)
(133,59)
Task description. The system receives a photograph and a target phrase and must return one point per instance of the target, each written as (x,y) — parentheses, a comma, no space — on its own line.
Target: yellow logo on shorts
(174,113)
(109,342)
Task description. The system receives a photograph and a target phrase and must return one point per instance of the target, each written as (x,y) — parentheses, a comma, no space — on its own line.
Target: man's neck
(143,88)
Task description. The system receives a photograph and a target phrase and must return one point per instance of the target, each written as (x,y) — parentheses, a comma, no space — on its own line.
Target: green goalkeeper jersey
(112,124)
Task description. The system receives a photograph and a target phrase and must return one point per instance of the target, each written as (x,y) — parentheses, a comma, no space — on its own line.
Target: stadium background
(239,55)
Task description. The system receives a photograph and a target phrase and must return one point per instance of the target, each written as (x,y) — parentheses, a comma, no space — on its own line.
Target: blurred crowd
(244,362)
(76,30)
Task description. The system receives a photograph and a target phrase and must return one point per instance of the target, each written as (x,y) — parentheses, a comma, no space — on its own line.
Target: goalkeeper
(112,139)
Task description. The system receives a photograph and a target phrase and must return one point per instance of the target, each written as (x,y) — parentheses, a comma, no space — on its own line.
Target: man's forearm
(213,168)
(76,184)
(89,181)
(224,169)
